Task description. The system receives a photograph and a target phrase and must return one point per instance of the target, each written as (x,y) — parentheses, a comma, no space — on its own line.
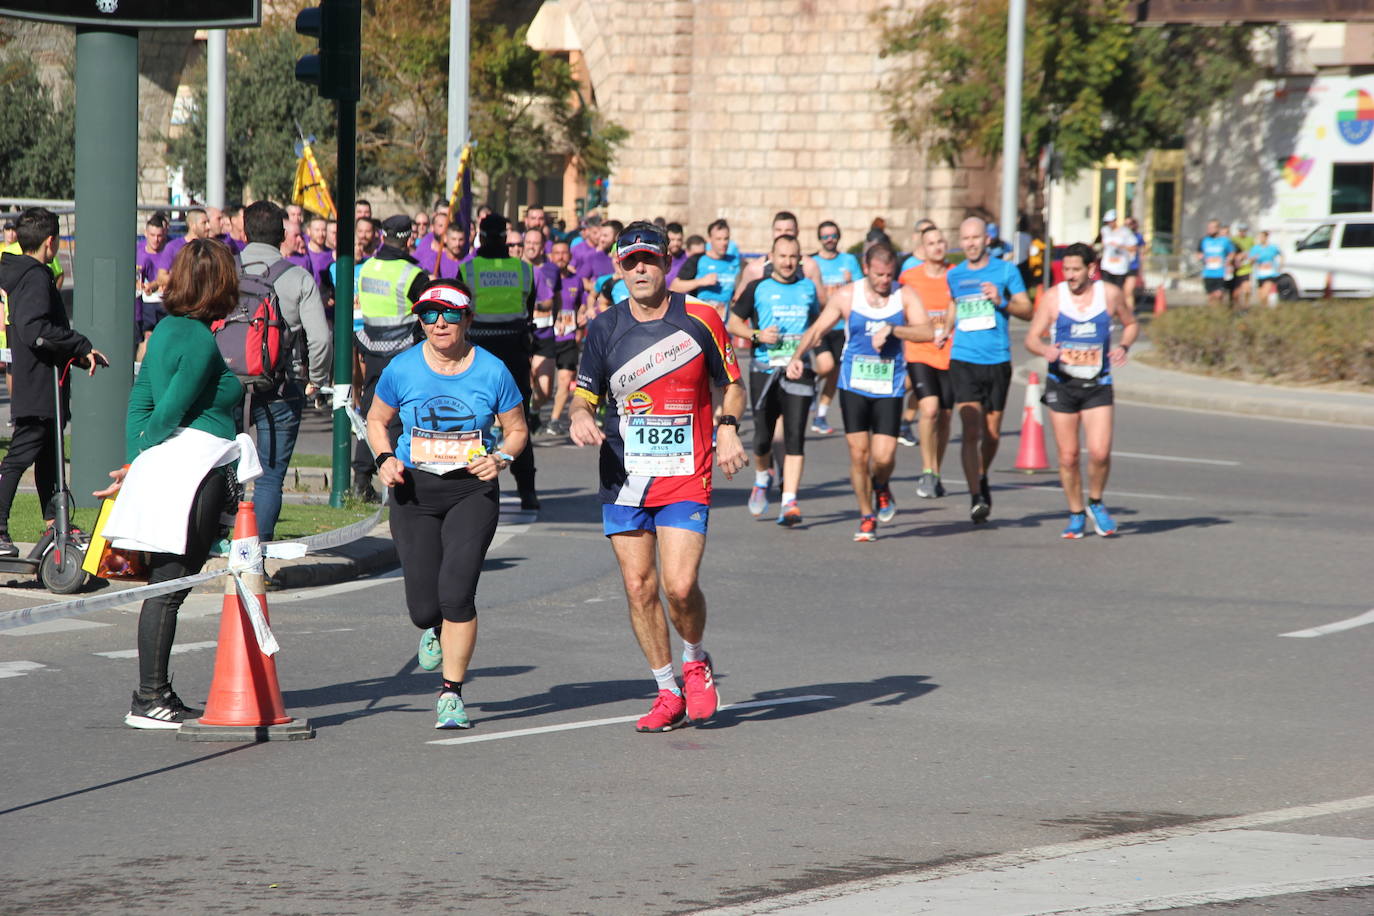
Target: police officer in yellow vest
(503,307)
(389,283)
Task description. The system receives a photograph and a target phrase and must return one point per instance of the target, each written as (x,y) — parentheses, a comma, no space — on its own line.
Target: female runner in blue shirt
(445,499)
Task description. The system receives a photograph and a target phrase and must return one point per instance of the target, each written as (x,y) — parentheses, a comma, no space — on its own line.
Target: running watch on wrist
(727,420)
(382,458)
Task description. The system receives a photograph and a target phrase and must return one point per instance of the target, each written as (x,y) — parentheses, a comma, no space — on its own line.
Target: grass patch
(314,461)
(1309,342)
(27,524)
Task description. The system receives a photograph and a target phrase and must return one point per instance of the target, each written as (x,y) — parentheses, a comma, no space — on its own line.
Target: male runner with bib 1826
(655,359)
(985,291)
(1077,315)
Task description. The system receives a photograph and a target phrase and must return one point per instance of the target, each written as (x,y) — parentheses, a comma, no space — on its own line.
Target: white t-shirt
(1116,255)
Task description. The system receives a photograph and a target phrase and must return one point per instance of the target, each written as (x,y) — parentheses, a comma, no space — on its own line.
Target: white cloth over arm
(154,504)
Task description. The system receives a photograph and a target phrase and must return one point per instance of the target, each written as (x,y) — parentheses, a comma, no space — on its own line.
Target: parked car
(1335,252)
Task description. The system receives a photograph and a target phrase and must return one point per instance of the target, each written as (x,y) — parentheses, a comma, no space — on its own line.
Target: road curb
(370,554)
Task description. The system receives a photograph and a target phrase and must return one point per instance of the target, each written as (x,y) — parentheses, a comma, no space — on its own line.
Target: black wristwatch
(727,420)
(382,458)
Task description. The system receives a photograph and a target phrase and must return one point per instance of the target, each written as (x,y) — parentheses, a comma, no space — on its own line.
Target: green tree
(1094,84)
(37,134)
(264,105)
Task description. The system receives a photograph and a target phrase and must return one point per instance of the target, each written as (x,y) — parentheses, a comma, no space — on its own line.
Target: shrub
(1297,341)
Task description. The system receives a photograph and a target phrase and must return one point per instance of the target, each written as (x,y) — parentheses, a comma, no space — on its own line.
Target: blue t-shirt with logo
(1266,258)
(429,401)
(1215,250)
(982,335)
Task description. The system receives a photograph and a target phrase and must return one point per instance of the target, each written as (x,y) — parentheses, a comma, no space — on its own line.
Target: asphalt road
(975,692)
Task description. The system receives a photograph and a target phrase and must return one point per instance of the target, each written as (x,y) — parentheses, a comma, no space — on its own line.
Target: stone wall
(741,108)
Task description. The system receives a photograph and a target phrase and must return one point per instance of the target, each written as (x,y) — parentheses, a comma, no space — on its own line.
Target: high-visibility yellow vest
(500,288)
(382,322)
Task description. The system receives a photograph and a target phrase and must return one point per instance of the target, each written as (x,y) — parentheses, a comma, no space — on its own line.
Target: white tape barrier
(79,606)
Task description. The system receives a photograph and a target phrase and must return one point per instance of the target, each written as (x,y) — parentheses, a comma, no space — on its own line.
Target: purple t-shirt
(569,301)
(546,285)
(173,247)
(446,268)
(595,263)
(676,265)
(426,256)
(302,261)
(319,264)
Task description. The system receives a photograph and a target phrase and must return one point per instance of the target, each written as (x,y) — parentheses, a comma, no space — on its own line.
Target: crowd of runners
(630,338)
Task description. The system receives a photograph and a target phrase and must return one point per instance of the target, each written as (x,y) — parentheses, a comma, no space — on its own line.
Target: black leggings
(442,527)
(793,408)
(157,621)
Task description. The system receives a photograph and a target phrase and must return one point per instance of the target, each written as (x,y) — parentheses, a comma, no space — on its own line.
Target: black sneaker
(7,548)
(165,711)
(985,491)
(980,510)
(529,502)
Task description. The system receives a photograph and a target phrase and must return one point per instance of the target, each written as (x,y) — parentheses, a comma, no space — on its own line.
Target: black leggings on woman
(442,527)
(157,621)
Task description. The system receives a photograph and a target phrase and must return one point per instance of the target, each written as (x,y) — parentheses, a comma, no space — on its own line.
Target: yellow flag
(310,190)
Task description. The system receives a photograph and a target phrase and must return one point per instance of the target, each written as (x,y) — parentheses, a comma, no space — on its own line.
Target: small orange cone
(1031,456)
(245,700)
(1161,302)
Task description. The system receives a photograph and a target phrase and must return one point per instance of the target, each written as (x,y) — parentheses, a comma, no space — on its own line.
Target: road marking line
(1349,623)
(1057,490)
(177,649)
(61,625)
(18,669)
(833,896)
(339,588)
(617,720)
(1148,457)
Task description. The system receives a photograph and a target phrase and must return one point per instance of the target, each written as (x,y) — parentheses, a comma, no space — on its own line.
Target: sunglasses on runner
(830,237)
(452,316)
(633,241)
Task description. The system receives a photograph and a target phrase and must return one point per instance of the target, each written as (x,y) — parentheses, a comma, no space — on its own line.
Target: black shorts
(1115,279)
(566,355)
(152,314)
(1239,281)
(1215,284)
(546,347)
(832,343)
(770,402)
(1074,397)
(929,382)
(879,416)
(984,384)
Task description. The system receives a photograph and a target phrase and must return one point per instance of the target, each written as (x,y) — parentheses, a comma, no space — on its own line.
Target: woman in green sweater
(183,384)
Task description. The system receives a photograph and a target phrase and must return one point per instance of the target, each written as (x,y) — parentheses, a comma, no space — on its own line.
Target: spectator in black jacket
(41,339)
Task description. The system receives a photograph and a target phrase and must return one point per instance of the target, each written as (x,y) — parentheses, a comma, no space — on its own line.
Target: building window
(1352,187)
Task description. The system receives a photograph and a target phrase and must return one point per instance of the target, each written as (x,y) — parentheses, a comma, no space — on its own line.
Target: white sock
(692,652)
(665,678)
(821,411)
(763,478)
(789,498)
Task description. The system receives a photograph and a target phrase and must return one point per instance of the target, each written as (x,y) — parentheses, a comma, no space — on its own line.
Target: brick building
(741,108)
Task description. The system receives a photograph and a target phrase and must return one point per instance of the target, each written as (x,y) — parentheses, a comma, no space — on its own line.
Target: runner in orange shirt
(927,363)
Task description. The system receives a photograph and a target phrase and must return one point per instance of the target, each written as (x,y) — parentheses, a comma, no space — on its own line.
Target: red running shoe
(699,684)
(669,712)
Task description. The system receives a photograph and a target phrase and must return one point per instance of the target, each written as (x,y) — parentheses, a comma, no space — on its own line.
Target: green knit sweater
(183,382)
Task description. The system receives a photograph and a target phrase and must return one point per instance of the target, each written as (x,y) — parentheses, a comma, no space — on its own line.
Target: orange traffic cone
(1161,303)
(245,700)
(1031,456)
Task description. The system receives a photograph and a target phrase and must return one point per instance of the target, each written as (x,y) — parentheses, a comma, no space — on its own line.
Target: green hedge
(1320,341)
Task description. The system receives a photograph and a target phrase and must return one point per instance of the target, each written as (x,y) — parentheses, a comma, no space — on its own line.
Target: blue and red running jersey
(655,378)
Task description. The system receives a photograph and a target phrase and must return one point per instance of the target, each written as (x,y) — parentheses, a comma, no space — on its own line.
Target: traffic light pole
(344,194)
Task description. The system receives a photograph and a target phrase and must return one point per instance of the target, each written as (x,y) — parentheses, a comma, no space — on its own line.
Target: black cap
(396,227)
(493,224)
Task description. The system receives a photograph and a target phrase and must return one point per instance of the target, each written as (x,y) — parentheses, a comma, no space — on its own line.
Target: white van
(1337,250)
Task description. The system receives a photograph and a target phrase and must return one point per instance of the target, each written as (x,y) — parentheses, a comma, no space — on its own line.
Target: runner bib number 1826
(659,446)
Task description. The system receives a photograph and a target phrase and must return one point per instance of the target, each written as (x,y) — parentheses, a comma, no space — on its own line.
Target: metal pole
(216,75)
(1011,114)
(457,86)
(107,194)
(344,195)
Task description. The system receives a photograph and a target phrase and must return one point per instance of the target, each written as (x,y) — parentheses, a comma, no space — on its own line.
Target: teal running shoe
(431,655)
(449,712)
(1077,521)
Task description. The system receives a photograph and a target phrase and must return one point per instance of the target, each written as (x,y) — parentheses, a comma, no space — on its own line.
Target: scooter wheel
(67,577)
